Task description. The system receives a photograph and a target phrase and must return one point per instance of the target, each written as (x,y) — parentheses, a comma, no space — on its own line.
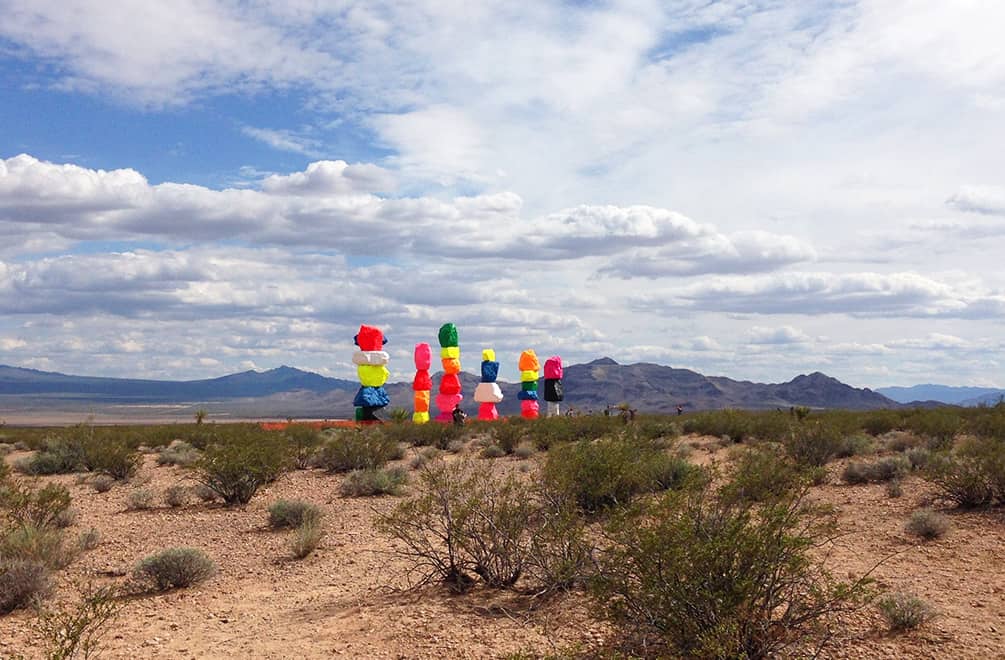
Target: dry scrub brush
(700,572)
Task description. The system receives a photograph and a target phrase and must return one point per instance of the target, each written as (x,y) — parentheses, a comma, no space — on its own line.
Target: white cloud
(285,140)
(856,294)
(328,177)
(785,334)
(979,199)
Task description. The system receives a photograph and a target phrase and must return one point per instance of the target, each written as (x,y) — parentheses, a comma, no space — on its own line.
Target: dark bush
(236,469)
(367,483)
(22,583)
(878,422)
(509,434)
(972,476)
(304,441)
(814,443)
(764,472)
(174,568)
(358,450)
(108,455)
(422,435)
(698,573)
(291,513)
(938,426)
(603,473)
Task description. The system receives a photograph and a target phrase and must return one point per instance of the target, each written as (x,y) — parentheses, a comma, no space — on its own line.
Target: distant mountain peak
(602,362)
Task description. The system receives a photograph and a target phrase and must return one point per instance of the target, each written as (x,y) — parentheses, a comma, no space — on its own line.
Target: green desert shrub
(358,450)
(462,523)
(814,443)
(237,468)
(508,435)
(603,473)
(32,542)
(174,568)
(421,435)
(764,472)
(699,573)
(59,460)
(878,422)
(75,630)
(304,441)
(307,537)
(291,513)
(367,483)
(855,445)
(904,611)
(23,583)
(939,426)
(773,426)
(894,488)
(43,507)
(973,475)
(107,455)
(559,554)
(735,424)
(927,524)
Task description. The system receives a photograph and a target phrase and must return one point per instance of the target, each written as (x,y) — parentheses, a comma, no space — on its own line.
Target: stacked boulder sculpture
(553,393)
(487,393)
(371,367)
(449,396)
(423,384)
(529,374)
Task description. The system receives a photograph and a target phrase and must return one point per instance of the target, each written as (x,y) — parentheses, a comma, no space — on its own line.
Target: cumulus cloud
(785,334)
(741,252)
(989,200)
(328,177)
(331,204)
(857,294)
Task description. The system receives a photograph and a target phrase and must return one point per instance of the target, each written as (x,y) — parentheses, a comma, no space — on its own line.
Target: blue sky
(752,189)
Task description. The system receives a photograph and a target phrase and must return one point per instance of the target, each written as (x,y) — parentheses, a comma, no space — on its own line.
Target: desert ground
(351,597)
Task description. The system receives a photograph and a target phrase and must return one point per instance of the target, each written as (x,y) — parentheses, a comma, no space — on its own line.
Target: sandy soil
(348,598)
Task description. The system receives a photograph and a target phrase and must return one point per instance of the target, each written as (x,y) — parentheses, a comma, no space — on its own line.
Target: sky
(748,188)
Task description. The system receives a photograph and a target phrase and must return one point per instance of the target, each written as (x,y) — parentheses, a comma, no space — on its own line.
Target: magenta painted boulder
(445,403)
(488,412)
(553,367)
(423,356)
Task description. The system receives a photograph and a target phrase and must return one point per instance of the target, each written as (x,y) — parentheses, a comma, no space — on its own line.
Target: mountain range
(959,396)
(290,392)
